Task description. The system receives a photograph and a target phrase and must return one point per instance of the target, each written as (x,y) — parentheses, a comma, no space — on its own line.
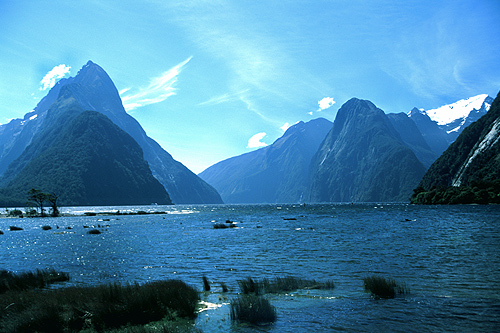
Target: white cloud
(254,141)
(325,103)
(158,90)
(56,73)
(285,127)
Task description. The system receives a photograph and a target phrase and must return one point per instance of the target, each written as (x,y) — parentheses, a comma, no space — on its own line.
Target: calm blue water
(448,256)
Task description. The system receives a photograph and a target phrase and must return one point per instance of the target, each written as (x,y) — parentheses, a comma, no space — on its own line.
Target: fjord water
(448,256)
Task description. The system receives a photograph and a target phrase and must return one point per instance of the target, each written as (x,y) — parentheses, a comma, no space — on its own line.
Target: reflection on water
(448,256)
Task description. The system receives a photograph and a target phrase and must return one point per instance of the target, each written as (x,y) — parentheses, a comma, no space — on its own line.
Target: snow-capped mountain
(448,121)
(447,114)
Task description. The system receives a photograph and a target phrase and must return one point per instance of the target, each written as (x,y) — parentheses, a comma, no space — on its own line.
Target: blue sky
(213,79)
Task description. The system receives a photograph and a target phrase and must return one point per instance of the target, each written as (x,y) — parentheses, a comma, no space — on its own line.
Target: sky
(211,79)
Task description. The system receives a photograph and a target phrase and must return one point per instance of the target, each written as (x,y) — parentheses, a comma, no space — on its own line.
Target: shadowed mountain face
(412,137)
(92,89)
(89,161)
(274,174)
(363,158)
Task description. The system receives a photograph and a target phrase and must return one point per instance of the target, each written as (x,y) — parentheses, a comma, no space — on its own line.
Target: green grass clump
(252,309)
(99,308)
(381,287)
(30,280)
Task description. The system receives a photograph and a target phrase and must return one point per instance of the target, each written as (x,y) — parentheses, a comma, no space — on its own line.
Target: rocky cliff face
(92,89)
(363,158)
(274,174)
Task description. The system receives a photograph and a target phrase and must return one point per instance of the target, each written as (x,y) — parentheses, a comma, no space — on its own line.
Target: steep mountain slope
(363,159)
(412,137)
(274,174)
(90,161)
(441,126)
(92,89)
(469,170)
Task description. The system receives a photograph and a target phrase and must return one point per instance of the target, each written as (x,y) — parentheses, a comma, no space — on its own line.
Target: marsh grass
(381,287)
(249,286)
(97,308)
(30,280)
(281,285)
(252,309)
(290,283)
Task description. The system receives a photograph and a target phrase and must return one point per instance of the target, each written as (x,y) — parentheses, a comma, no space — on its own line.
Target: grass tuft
(381,287)
(280,285)
(252,309)
(249,286)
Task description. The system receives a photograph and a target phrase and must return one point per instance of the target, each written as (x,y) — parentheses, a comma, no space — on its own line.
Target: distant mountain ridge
(363,158)
(92,89)
(367,156)
(273,174)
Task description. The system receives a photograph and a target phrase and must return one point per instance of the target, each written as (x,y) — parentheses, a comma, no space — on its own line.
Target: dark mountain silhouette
(434,136)
(469,170)
(89,161)
(363,158)
(274,174)
(92,89)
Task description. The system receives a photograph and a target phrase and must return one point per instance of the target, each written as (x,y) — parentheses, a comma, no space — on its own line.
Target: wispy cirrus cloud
(255,141)
(56,73)
(224,98)
(158,90)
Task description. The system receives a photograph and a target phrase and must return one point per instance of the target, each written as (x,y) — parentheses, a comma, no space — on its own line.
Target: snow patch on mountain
(461,109)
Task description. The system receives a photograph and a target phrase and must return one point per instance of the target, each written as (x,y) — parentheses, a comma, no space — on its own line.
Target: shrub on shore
(97,308)
(381,287)
(252,309)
